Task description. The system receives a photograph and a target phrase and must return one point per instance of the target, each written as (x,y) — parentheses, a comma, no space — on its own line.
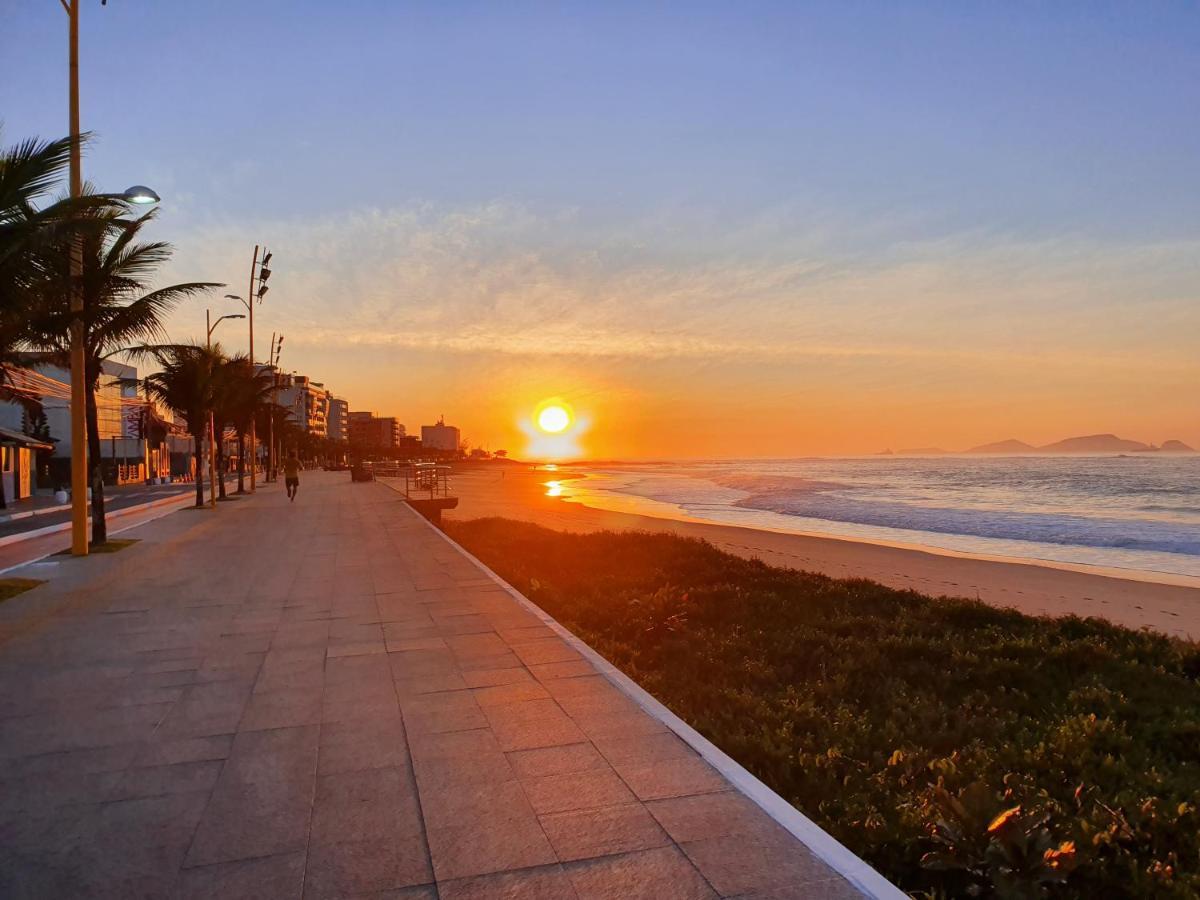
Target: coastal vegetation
(963,750)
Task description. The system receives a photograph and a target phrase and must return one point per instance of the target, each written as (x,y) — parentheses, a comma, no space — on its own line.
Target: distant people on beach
(291,475)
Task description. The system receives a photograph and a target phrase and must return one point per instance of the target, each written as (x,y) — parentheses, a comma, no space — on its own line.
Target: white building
(308,402)
(441,437)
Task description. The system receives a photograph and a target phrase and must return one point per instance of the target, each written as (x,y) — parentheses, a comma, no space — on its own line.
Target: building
(339,419)
(308,403)
(441,437)
(371,432)
(47,419)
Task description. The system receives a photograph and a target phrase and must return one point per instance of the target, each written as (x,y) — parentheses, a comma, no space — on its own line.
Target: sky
(739,229)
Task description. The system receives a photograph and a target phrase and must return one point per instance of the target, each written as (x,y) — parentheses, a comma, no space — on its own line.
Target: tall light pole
(259,273)
(78,355)
(212,431)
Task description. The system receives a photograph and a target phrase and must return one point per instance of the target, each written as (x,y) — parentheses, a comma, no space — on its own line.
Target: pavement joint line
(857,871)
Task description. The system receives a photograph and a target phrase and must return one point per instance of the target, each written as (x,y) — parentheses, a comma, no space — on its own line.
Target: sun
(553,419)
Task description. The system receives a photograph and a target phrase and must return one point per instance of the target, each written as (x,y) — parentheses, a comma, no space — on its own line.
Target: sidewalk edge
(822,844)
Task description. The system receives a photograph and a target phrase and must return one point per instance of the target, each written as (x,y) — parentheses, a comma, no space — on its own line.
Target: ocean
(1124,512)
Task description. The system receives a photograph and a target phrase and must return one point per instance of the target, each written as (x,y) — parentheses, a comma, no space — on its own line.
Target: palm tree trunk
(220,485)
(96,464)
(198,455)
(241,439)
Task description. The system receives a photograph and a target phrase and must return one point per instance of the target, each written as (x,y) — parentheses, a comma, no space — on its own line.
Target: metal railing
(421,480)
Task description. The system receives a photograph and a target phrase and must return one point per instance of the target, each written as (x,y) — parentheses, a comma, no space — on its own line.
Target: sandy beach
(1171,606)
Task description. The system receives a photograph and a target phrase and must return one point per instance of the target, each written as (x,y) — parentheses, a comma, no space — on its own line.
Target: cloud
(503,278)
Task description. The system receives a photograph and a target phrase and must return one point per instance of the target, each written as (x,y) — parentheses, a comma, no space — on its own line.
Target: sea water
(1138,512)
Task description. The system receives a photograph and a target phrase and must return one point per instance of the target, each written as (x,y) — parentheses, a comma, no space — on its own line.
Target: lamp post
(212,431)
(137,194)
(272,458)
(259,273)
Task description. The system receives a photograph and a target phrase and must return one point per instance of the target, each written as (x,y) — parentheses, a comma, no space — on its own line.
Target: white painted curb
(823,845)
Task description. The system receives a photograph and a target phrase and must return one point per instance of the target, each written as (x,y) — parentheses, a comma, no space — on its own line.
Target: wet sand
(515,492)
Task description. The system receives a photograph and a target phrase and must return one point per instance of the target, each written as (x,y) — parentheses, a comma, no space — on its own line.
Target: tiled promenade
(326,699)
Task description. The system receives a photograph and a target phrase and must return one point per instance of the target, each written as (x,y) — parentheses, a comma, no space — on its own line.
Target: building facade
(371,432)
(441,437)
(339,419)
(308,403)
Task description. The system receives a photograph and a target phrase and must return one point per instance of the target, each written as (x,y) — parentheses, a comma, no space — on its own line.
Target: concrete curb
(823,845)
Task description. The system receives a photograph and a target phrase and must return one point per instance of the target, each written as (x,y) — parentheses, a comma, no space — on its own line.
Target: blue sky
(567,183)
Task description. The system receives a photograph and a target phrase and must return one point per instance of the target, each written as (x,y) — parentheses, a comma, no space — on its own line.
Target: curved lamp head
(141,195)
(235,316)
(232,297)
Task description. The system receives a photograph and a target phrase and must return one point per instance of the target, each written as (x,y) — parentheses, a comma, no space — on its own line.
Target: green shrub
(963,750)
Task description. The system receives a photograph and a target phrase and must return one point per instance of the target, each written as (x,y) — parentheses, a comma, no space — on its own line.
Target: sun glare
(553,419)
(554,428)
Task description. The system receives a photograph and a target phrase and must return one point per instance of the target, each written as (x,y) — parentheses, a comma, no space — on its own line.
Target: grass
(11,587)
(963,750)
(112,545)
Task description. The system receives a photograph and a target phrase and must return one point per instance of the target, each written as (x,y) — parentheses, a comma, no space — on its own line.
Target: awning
(23,440)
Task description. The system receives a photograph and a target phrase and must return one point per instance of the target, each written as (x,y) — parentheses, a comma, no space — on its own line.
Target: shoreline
(1163,602)
(1150,576)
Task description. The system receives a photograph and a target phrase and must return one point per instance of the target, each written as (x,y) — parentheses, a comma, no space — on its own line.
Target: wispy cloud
(503,278)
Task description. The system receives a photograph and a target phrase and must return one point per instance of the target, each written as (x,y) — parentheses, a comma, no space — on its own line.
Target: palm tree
(242,390)
(119,312)
(185,385)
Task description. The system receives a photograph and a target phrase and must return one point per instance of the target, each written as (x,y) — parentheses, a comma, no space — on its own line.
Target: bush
(963,750)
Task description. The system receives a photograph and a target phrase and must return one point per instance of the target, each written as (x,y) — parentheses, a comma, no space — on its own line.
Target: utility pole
(79,460)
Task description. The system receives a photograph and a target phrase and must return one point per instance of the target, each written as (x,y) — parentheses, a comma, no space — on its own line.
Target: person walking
(291,475)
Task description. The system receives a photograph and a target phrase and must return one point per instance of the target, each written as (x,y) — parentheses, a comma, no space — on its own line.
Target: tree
(119,314)
(241,390)
(185,385)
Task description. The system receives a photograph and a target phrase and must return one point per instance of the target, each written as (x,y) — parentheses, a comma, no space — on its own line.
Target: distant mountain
(1176,447)
(1096,443)
(1012,445)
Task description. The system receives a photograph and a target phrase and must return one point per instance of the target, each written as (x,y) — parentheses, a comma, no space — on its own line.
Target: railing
(421,480)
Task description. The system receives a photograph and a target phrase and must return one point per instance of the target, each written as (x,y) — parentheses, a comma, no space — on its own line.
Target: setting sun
(553,419)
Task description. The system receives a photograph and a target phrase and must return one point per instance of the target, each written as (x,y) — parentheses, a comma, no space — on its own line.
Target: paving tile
(745,863)
(568,669)
(704,816)
(182,750)
(500,694)
(671,778)
(247,820)
(347,746)
(545,883)
(250,879)
(578,790)
(492,845)
(643,875)
(370,802)
(477,678)
(280,754)
(561,760)
(586,833)
(282,709)
(177,778)
(366,867)
(643,748)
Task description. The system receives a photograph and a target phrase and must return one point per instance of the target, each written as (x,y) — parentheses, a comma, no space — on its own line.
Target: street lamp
(212,430)
(139,194)
(259,273)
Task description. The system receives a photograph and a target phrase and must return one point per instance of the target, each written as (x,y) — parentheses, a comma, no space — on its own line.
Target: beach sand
(516,492)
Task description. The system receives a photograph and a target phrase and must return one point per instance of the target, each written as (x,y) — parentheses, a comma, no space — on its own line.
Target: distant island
(1091,443)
